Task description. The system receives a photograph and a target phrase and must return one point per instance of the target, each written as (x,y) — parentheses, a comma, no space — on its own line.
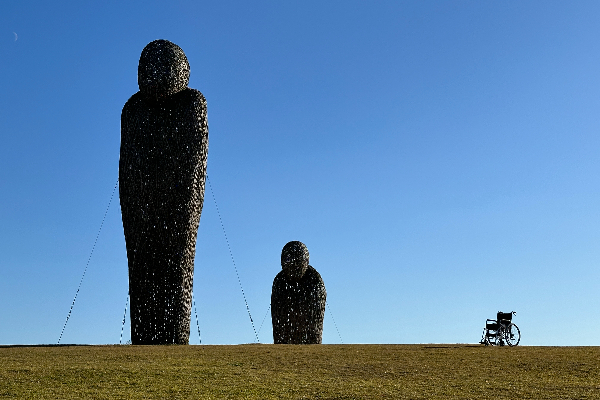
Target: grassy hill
(299,372)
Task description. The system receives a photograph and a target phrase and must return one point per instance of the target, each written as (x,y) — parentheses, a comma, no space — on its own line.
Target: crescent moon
(16,37)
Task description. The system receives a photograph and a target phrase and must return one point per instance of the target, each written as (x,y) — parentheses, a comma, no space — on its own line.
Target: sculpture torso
(163,150)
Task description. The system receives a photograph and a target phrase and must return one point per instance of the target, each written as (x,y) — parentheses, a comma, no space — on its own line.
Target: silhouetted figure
(162,169)
(297,299)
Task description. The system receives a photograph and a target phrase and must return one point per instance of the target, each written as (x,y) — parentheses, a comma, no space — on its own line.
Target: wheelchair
(501,331)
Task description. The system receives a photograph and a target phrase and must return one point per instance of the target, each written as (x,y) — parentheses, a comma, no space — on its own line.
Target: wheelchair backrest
(501,316)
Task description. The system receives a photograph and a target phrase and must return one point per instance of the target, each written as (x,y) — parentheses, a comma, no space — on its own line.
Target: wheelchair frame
(501,331)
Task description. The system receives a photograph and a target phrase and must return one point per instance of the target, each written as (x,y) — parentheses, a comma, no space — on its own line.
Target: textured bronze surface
(162,169)
(297,299)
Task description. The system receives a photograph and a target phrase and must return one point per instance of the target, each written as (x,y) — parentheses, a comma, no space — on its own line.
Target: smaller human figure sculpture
(297,299)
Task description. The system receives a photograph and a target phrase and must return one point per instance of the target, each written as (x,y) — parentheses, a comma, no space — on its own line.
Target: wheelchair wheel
(512,335)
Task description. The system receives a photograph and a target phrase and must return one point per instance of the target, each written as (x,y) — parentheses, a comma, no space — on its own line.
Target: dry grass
(300,372)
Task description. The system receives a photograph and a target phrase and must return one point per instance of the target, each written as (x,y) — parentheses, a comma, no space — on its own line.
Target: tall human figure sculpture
(162,170)
(297,299)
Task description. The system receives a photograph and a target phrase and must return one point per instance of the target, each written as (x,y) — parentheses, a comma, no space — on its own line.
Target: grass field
(300,372)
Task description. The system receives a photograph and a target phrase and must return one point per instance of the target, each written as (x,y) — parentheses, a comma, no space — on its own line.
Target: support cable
(232,260)
(333,319)
(88,262)
(265,317)
(124,316)
(197,323)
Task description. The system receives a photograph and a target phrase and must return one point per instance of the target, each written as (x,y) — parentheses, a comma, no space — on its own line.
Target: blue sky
(438,158)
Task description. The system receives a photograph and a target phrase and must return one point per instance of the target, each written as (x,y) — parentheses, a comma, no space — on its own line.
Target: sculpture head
(163,70)
(294,259)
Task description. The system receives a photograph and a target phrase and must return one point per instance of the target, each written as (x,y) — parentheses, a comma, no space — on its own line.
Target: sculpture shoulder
(313,279)
(192,100)
(194,95)
(133,103)
(313,274)
(186,96)
(279,278)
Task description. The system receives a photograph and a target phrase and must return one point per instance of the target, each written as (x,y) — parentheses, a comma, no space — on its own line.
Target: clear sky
(440,160)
